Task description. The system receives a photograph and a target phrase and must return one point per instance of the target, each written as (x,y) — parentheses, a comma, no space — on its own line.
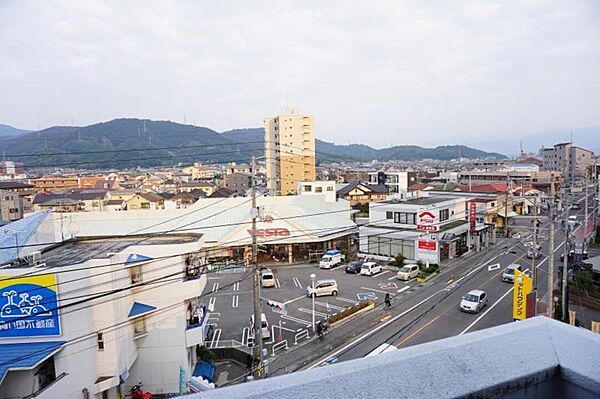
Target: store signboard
(428,245)
(472,216)
(426,221)
(29,306)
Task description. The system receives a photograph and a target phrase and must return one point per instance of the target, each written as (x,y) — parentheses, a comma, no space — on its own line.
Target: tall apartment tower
(289,151)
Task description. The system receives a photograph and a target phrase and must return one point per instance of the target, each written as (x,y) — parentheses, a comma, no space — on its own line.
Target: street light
(312,279)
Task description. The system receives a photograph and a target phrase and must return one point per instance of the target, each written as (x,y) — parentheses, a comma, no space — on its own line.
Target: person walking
(388,301)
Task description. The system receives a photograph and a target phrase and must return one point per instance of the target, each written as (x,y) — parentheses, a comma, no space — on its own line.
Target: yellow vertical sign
(522,287)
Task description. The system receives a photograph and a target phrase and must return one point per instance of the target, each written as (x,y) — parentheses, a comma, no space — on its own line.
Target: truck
(331,258)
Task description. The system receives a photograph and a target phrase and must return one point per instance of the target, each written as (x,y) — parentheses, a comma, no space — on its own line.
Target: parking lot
(232,303)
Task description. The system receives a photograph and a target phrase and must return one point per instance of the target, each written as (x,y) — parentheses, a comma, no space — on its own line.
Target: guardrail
(300,335)
(279,345)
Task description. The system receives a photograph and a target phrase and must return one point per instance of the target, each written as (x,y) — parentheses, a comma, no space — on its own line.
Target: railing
(43,391)
(279,345)
(300,335)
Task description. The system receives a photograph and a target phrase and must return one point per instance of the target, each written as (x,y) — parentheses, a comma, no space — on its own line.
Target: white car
(407,272)
(370,268)
(474,301)
(323,288)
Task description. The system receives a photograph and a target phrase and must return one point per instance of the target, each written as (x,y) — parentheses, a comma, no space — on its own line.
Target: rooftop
(534,358)
(424,200)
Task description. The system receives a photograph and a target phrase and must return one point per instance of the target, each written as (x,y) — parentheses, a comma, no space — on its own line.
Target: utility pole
(565,271)
(258,344)
(535,251)
(585,195)
(551,255)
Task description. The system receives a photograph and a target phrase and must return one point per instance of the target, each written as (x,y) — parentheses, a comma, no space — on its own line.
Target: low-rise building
(323,187)
(198,171)
(11,207)
(109,312)
(145,201)
(358,193)
(575,162)
(397,182)
(206,186)
(55,183)
(430,229)
(238,182)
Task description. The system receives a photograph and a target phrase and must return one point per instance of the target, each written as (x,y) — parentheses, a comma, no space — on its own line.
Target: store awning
(26,355)
(139,309)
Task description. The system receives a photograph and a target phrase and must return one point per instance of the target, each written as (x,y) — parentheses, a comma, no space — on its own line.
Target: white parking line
(277,283)
(215,287)
(235,301)
(329,305)
(297,320)
(373,289)
(211,303)
(391,278)
(294,300)
(297,282)
(381,274)
(403,289)
(303,310)
(236,286)
(352,301)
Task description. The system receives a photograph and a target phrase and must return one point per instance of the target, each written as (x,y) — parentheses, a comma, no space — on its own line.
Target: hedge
(348,311)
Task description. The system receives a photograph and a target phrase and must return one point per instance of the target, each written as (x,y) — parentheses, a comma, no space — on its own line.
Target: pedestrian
(319,329)
(388,301)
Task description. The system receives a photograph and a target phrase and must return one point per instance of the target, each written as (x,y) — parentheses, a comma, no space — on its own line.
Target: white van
(370,268)
(267,279)
(573,221)
(407,272)
(330,259)
(264,325)
(322,288)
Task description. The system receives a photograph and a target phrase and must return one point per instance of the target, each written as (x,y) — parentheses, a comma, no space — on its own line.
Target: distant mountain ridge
(126,143)
(9,131)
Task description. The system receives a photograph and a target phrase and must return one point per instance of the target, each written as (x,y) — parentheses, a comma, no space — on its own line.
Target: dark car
(354,267)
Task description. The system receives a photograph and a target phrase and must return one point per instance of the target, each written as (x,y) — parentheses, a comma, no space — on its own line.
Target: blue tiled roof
(25,355)
(138,308)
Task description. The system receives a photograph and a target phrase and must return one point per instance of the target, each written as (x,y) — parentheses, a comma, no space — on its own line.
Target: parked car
(575,206)
(264,326)
(509,273)
(323,288)
(407,272)
(267,278)
(474,301)
(354,267)
(370,268)
(330,259)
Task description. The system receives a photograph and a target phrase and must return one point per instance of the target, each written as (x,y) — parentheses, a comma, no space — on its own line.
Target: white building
(427,229)
(323,187)
(110,312)
(397,182)
(574,162)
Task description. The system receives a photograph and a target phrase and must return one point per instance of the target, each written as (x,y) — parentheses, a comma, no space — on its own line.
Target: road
(433,313)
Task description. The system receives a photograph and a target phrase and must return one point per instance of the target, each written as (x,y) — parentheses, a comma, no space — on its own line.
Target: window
(444,215)
(329,188)
(100,339)
(139,325)
(307,188)
(389,215)
(135,272)
(318,189)
(405,218)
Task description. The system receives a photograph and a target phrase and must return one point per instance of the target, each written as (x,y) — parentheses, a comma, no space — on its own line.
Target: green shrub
(205,354)
(426,271)
(398,261)
(582,280)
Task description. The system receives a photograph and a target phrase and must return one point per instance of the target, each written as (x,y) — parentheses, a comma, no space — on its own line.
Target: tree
(398,260)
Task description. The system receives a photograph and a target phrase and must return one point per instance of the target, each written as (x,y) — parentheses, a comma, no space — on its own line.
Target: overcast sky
(373,72)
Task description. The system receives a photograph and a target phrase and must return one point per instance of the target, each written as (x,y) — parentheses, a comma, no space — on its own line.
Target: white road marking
(352,301)
(295,299)
(381,274)
(391,278)
(211,304)
(329,305)
(215,287)
(277,283)
(403,289)
(236,286)
(235,301)
(303,310)
(295,319)
(297,282)
(493,267)
(373,289)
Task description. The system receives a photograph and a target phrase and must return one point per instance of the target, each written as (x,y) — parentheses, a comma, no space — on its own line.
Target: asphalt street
(433,313)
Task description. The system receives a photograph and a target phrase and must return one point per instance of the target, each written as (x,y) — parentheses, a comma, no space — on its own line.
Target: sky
(378,73)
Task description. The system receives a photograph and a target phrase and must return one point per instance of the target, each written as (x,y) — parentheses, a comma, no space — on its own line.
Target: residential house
(323,187)
(205,186)
(115,205)
(238,182)
(223,192)
(88,200)
(358,193)
(145,201)
(11,206)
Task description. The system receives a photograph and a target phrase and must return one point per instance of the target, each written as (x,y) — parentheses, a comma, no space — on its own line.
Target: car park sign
(29,306)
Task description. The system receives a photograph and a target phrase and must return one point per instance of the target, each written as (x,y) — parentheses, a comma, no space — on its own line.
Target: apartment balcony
(196,330)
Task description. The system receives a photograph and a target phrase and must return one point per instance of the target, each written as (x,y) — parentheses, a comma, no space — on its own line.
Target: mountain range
(125,143)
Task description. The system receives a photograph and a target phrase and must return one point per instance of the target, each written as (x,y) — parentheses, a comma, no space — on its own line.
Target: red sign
(278,232)
(427,245)
(472,215)
(426,221)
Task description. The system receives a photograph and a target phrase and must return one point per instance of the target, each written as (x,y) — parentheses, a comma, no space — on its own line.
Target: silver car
(509,273)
